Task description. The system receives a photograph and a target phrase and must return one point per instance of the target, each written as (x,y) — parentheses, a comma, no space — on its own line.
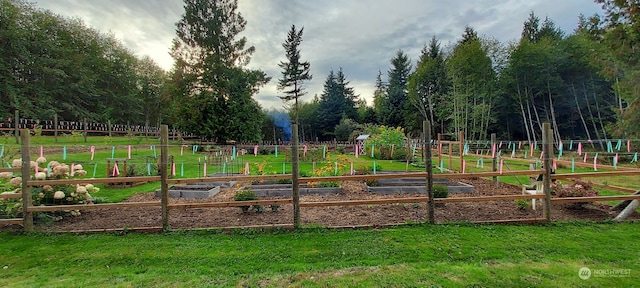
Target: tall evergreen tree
(336,102)
(217,102)
(428,86)
(349,98)
(397,101)
(295,71)
(380,99)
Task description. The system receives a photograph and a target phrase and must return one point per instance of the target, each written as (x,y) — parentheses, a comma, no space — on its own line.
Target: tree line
(584,82)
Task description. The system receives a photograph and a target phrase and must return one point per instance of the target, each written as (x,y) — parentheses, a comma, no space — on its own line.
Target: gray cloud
(359,36)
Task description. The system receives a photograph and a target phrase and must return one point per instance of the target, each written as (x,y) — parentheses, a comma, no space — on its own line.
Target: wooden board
(228,204)
(93,206)
(12,221)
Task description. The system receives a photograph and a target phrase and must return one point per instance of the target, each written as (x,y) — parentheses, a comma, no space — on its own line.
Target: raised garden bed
(267,190)
(192,191)
(412,185)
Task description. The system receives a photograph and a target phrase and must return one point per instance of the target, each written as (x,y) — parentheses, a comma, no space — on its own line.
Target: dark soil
(327,216)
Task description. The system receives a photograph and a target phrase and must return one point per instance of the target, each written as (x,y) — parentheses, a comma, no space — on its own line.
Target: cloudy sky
(361,36)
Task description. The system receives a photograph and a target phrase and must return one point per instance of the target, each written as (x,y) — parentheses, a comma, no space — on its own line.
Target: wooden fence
(29,209)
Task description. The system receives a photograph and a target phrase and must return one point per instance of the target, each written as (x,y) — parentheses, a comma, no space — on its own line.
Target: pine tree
(294,71)
(380,99)
(216,90)
(397,94)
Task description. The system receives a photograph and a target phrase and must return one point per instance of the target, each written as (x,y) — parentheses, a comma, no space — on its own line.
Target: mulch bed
(327,216)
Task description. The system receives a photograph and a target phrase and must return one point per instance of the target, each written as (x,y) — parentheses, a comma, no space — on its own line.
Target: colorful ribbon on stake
(116,171)
(635,158)
(595,162)
(129,152)
(93,151)
(95,169)
(580,148)
(64,152)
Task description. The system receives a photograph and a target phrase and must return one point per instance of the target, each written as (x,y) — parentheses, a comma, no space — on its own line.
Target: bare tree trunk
(486,128)
(604,132)
(584,123)
(473,125)
(533,131)
(593,121)
(524,118)
(553,114)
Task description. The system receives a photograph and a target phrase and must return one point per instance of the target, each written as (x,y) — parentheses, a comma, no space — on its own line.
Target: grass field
(415,256)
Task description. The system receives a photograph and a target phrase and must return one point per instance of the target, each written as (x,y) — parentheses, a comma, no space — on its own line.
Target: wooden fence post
(494,162)
(85,128)
(461,150)
(426,130)
(451,155)
(55,127)
(26,176)
(439,147)
(164,187)
(109,127)
(16,119)
(547,146)
(294,176)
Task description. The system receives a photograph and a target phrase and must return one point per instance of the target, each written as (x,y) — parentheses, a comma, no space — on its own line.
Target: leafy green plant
(522,204)
(246,195)
(440,191)
(274,207)
(382,139)
(329,184)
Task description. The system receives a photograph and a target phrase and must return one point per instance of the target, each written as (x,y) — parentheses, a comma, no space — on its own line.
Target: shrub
(66,194)
(377,166)
(382,138)
(440,191)
(522,204)
(246,195)
(577,189)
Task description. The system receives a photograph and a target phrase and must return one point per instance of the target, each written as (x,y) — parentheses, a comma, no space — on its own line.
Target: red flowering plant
(578,189)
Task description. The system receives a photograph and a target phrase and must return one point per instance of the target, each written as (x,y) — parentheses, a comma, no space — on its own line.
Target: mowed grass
(413,256)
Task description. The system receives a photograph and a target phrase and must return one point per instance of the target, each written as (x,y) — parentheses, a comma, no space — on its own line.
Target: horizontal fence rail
(165,206)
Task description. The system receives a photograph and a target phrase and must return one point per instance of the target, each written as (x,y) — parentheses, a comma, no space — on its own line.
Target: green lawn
(413,256)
